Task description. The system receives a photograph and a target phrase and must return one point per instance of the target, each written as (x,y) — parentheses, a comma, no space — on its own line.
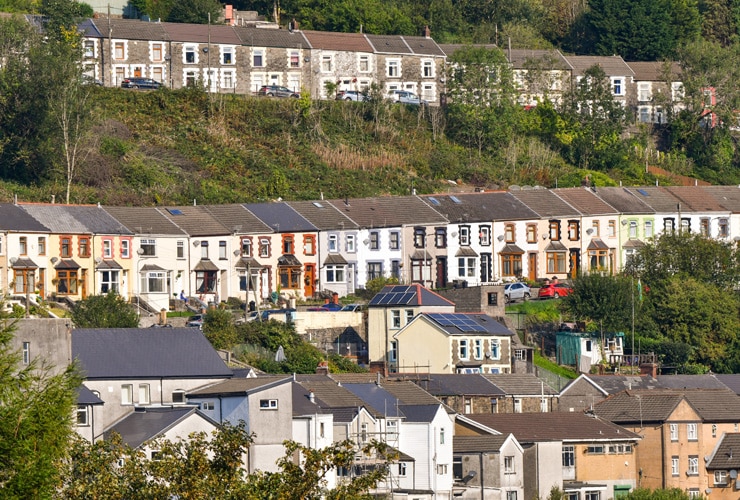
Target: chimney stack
(427,33)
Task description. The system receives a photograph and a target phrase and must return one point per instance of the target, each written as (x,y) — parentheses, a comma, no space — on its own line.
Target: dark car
(555,291)
(277,91)
(140,83)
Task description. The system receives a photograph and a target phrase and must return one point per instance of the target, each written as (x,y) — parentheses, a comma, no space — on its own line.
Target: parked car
(555,291)
(353,308)
(515,291)
(277,91)
(195,321)
(331,306)
(140,83)
(351,95)
(406,97)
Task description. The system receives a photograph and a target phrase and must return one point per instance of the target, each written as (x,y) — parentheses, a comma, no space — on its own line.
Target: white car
(407,97)
(514,291)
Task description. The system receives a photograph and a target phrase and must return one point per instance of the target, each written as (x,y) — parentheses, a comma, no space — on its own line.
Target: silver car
(514,291)
(406,97)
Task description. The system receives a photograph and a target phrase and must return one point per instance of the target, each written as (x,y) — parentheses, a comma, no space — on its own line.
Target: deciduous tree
(104,311)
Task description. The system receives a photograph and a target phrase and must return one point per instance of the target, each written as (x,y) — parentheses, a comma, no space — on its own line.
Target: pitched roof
(655,71)
(467,324)
(623,200)
(281,217)
(332,395)
(727,196)
(147,423)
(58,218)
(407,295)
(457,384)
(420,413)
(352,42)
(479,207)
(541,58)
(726,455)
(114,353)
(715,405)
(127,29)
(195,220)
(732,381)
(409,393)
(585,201)
(375,396)
(389,44)
(519,384)
(241,386)
(322,215)
(202,33)
(558,426)
(477,444)
(389,211)
(302,404)
(656,198)
(87,397)
(657,405)
(15,218)
(424,46)
(267,37)
(696,200)
(236,217)
(545,203)
(612,65)
(145,220)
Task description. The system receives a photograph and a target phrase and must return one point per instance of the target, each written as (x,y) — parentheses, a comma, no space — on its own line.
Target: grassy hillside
(176,147)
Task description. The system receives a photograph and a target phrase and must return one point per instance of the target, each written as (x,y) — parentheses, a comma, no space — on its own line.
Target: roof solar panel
(174,211)
(434,200)
(643,192)
(455,199)
(462,322)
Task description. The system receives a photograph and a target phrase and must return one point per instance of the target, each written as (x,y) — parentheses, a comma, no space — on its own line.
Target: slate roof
(357,378)
(543,58)
(407,295)
(375,396)
(732,381)
(484,324)
(697,200)
(352,42)
(389,44)
(14,218)
(709,381)
(389,211)
(612,65)
(280,217)
(459,385)
(478,444)
(136,353)
(60,218)
(143,425)
(127,29)
(301,402)
(87,397)
(726,454)
(558,426)
(333,396)
(612,384)
(322,215)
(519,384)
(241,386)
(420,413)
(266,37)
(424,46)
(727,196)
(585,201)
(623,200)
(237,218)
(145,221)
(656,198)
(199,33)
(545,203)
(479,207)
(409,393)
(654,71)
(195,220)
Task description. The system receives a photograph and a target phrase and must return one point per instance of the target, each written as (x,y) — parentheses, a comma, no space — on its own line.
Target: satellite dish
(98,260)
(733,473)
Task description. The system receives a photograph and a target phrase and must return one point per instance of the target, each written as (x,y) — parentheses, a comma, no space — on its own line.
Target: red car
(555,291)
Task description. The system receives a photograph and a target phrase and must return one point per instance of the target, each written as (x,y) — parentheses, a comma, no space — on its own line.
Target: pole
(246,295)
(632,364)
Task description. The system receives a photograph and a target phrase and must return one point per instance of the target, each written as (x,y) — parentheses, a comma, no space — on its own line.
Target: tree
(195,11)
(593,122)
(219,329)
(104,311)
(36,409)
(604,300)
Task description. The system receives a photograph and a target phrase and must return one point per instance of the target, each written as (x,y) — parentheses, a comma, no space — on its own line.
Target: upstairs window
(465,235)
(258,58)
(393,68)
(440,237)
(148,248)
(395,240)
(374,240)
(227,55)
(191,54)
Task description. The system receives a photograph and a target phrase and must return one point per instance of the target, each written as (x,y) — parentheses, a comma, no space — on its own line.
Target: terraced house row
(305,248)
(242,58)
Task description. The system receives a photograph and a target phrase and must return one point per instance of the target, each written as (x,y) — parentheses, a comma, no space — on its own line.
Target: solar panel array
(463,322)
(399,295)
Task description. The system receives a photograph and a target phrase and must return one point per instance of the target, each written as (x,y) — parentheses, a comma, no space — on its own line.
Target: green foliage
(194,11)
(545,363)
(36,408)
(604,300)
(539,313)
(219,329)
(659,494)
(375,285)
(104,311)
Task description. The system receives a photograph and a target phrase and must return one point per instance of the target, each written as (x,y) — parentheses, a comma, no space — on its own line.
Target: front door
(441,280)
(83,283)
(308,281)
(532,267)
(575,262)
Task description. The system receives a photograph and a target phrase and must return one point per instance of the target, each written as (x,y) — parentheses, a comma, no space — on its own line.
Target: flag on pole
(639,289)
